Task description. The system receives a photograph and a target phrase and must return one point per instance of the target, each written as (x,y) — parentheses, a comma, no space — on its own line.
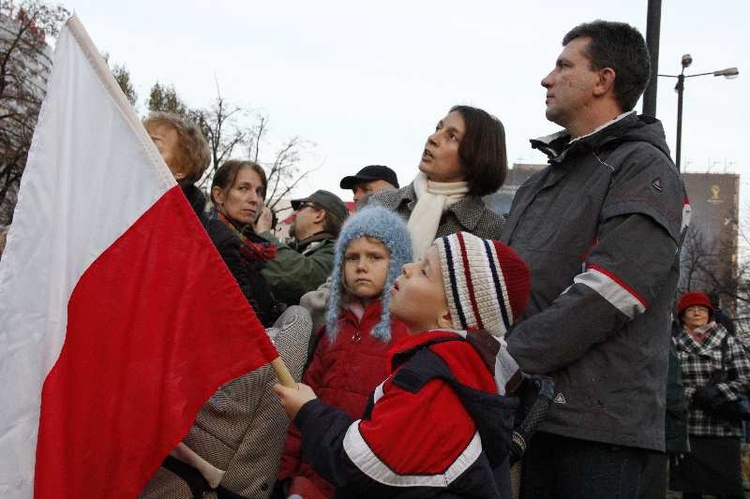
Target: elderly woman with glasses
(704,347)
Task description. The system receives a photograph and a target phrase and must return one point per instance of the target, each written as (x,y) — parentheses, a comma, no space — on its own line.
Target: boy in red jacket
(439,423)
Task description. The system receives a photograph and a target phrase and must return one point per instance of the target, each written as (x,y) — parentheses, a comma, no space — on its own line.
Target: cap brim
(352,180)
(297,202)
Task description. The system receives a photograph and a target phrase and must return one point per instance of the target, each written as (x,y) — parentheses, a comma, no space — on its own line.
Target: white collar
(602,127)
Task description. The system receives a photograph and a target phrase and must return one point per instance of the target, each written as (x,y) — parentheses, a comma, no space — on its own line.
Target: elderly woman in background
(463,160)
(185,151)
(703,347)
(238,192)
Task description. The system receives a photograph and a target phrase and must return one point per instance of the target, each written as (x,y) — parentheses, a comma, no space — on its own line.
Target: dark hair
(192,148)
(226,175)
(332,223)
(621,47)
(482,151)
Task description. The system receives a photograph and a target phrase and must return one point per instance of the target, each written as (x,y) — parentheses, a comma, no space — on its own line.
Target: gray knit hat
(387,227)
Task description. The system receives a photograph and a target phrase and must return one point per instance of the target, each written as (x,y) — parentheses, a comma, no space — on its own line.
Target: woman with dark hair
(704,347)
(238,192)
(463,160)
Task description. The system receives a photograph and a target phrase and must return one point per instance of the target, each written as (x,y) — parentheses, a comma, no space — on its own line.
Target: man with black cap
(307,261)
(372,178)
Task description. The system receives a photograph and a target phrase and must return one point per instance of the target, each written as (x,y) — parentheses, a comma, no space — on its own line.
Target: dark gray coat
(600,229)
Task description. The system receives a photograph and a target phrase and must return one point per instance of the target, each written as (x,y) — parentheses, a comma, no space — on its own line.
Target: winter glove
(707,397)
(536,398)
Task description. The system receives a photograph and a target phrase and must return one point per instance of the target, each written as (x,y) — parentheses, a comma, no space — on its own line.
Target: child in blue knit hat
(351,356)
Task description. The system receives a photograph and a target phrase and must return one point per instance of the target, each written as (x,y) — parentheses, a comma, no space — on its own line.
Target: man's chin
(554,116)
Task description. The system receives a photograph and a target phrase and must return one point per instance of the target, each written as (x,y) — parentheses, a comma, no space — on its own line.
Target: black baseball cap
(327,201)
(369,173)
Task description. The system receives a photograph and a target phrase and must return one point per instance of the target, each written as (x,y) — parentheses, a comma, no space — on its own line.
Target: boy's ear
(444,321)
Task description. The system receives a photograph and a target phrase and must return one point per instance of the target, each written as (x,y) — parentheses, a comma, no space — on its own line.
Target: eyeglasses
(697,308)
(307,204)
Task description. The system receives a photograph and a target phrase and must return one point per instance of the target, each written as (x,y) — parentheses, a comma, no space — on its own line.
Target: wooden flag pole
(283,373)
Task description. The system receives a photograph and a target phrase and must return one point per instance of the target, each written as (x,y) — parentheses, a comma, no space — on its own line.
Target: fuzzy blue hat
(381,224)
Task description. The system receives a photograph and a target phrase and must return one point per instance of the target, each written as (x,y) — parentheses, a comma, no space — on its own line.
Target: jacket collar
(320,236)
(371,311)
(558,145)
(711,342)
(413,342)
(483,343)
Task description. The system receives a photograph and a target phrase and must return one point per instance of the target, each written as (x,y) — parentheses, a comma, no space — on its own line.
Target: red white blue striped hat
(486,283)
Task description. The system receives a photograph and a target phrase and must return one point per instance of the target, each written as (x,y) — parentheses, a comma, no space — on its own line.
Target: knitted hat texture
(486,283)
(385,226)
(692,299)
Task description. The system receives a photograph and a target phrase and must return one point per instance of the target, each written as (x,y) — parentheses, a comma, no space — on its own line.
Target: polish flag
(118,318)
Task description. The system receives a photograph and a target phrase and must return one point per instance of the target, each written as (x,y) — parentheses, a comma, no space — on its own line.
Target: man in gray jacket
(600,228)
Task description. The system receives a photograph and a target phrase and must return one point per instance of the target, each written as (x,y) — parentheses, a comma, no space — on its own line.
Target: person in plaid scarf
(713,464)
(238,193)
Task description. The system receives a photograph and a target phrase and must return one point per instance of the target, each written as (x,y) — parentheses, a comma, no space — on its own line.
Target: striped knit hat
(486,283)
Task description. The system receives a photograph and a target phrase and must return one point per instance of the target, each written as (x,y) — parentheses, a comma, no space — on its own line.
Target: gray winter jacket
(600,229)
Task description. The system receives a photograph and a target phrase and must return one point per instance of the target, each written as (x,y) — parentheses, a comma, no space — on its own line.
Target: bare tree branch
(24,65)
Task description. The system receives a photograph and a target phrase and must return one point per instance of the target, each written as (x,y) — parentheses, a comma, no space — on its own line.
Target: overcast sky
(365,82)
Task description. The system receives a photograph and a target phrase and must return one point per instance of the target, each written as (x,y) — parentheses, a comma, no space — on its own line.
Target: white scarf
(433,198)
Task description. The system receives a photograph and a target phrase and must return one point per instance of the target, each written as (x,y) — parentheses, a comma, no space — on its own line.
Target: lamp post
(687,60)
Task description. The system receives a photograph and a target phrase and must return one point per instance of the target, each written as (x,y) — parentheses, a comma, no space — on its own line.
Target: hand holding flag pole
(283,373)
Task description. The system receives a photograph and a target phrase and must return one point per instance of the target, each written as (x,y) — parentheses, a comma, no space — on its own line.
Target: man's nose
(547,80)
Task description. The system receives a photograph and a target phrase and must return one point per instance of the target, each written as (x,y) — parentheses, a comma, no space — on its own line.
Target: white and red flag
(118,318)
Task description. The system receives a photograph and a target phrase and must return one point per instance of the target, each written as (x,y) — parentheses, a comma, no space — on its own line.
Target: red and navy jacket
(436,427)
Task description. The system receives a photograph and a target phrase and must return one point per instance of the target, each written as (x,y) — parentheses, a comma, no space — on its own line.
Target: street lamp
(687,60)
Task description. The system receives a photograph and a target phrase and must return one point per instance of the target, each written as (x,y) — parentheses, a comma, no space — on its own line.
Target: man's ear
(320,216)
(605,82)
(444,321)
